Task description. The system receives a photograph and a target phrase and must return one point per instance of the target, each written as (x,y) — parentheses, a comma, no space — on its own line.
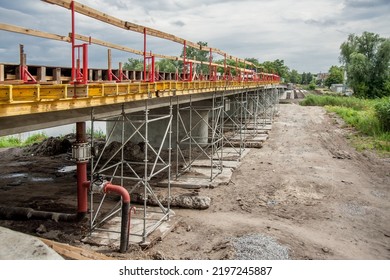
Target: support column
(57,75)
(198,122)
(82,191)
(42,74)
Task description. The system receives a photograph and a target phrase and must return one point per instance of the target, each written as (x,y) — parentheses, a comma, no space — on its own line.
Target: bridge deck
(26,99)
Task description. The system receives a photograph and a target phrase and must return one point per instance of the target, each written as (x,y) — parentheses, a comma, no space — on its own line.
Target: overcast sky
(305,34)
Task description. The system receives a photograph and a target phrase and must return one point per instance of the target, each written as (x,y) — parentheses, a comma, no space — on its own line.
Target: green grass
(9,141)
(360,114)
(97,133)
(35,138)
(12,141)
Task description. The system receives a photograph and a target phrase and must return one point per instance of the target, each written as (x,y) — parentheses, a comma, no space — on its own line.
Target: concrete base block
(199,177)
(19,246)
(109,235)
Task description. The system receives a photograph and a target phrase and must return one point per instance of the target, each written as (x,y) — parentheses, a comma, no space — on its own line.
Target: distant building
(341,88)
(337,88)
(321,77)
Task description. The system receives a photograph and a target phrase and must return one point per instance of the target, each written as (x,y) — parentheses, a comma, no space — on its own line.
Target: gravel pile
(259,247)
(354,209)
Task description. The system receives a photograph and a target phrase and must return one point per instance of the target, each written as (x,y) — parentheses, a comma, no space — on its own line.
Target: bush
(382,109)
(35,138)
(10,141)
(370,117)
(323,100)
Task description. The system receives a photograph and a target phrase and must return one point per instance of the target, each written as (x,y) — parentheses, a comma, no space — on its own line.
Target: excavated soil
(306,192)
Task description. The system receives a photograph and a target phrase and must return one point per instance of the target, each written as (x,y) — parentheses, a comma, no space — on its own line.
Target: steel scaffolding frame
(189,143)
(235,122)
(271,100)
(139,174)
(255,109)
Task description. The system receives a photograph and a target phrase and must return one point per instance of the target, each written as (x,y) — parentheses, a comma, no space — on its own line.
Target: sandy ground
(306,187)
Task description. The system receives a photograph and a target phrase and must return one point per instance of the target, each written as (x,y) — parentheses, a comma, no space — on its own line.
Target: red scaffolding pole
(79,72)
(148,61)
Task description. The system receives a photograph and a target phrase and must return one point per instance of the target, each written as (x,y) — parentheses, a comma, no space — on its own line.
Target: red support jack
(224,68)
(110,75)
(148,61)
(25,76)
(187,75)
(78,76)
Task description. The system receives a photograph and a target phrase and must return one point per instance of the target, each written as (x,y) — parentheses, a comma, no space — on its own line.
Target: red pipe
(82,191)
(109,188)
(119,190)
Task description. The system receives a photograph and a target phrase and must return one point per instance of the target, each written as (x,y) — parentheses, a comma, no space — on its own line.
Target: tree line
(275,67)
(365,62)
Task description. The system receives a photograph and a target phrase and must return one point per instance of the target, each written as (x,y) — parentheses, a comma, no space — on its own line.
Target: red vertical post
(73,76)
(190,77)
(144,54)
(152,74)
(82,191)
(224,67)
(184,60)
(85,63)
(210,69)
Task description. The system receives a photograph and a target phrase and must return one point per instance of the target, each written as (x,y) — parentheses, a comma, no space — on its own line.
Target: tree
(306,78)
(294,77)
(367,60)
(134,64)
(167,65)
(335,76)
(276,67)
(199,55)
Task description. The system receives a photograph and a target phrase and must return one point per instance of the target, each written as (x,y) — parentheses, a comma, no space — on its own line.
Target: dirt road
(306,188)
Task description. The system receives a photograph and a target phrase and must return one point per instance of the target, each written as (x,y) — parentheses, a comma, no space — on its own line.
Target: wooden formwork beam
(90,12)
(46,35)
(32,32)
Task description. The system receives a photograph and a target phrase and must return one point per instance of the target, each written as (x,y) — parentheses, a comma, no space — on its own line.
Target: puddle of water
(29,177)
(15,175)
(41,179)
(21,163)
(67,169)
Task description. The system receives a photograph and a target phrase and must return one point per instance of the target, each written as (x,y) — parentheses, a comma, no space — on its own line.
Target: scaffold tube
(125,213)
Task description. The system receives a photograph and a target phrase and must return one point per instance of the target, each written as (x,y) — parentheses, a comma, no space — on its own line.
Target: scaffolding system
(192,143)
(115,163)
(235,124)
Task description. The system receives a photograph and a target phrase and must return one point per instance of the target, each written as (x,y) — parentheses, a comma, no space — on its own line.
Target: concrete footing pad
(109,233)
(19,246)
(200,174)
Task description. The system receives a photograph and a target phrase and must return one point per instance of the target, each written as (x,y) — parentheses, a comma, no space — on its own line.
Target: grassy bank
(12,141)
(365,115)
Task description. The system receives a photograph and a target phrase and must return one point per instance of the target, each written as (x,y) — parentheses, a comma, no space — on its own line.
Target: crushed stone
(259,247)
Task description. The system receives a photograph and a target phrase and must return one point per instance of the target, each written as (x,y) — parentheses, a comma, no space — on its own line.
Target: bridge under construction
(182,119)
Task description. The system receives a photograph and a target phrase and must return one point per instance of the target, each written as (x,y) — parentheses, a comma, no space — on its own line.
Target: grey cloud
(366,3)
(365,9)
(322,23)
(179,23)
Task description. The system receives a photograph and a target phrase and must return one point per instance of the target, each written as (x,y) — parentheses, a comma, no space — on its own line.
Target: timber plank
(74,253)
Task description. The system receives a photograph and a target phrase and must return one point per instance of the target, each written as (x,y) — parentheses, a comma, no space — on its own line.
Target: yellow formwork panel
(25,93)
(36,98)
(52,92)
(5,93)
(96,90)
